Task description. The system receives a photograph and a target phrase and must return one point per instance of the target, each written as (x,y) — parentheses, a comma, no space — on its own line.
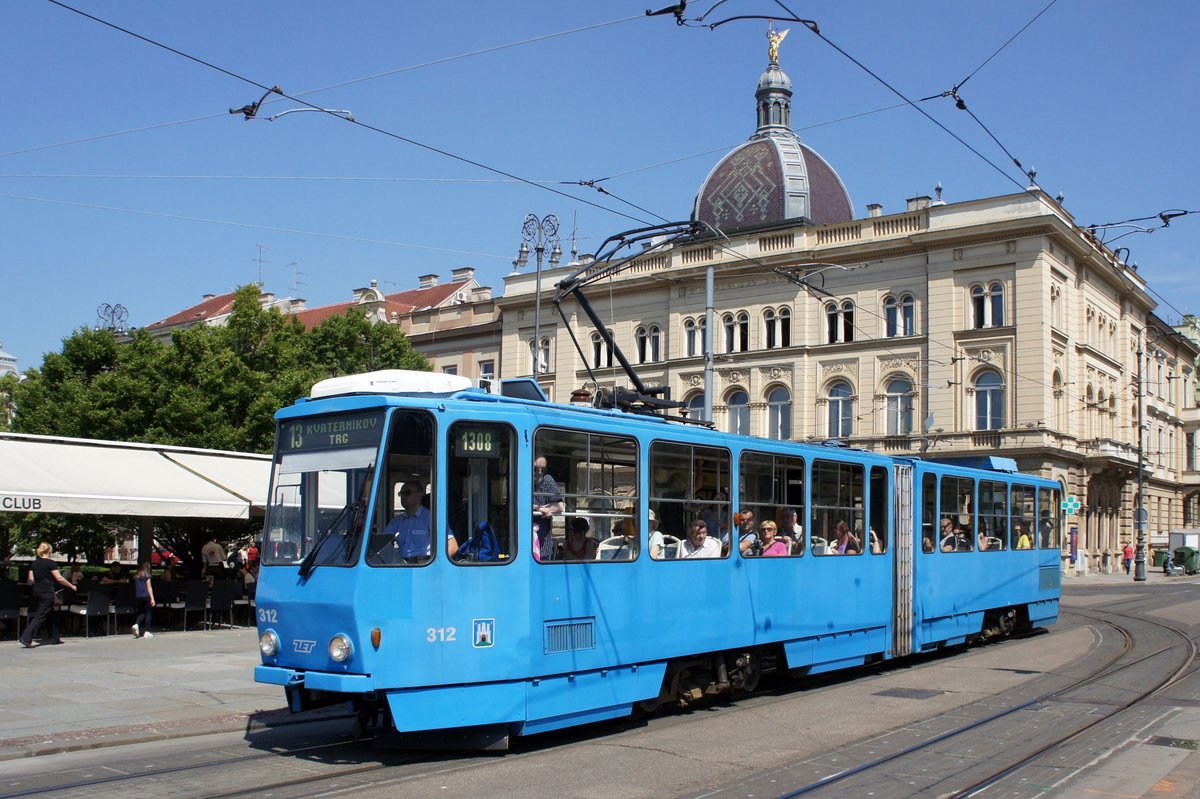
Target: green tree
(212,387)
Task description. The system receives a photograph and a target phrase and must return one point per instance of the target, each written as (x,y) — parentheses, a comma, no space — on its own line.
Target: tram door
(902,597)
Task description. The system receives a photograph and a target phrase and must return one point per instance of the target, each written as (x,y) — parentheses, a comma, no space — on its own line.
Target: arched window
(648,340)
(1102,419)
(987,305)
(1089,410)
(779,414)
(690,338)
(695,405)
(898,315)
(641,339)
(655,343)
(743,332)
(899,407)
(770,333)
(989,401)
(601,352)
(739,413)
(839,322)
(891,316)
(841,410)
(996,292)
(908,315)
(730,332)
(785,327)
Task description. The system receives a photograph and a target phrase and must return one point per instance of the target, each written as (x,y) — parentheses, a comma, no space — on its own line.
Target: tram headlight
(268,644)
(340,648)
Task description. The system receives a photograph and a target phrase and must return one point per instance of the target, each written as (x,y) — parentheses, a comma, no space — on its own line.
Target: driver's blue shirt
(410,534)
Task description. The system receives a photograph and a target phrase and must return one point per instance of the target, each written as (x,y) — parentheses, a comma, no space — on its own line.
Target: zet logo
(303,647)
(1071,506)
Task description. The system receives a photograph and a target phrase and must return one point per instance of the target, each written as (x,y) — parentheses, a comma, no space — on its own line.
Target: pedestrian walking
(44,578)
(144,594)
(1127,556)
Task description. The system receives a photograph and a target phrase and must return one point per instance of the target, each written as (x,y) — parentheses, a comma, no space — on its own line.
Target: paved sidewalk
(91,692)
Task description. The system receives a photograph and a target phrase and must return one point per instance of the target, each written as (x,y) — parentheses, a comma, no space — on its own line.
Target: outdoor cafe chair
(124,603)
(97,606)
(195,599)
(10,604)
(222,600)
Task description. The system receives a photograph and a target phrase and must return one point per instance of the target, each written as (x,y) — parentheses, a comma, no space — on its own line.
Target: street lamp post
(539,233)
(1139,513)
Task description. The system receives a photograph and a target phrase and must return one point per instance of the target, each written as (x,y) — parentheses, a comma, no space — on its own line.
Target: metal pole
(539,232)
(706,342)
(1139,514)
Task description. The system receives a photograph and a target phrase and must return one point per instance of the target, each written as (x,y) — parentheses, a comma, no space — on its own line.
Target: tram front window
(320,485)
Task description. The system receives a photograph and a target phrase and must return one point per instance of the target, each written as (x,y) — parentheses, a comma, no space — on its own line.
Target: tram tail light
(376,636)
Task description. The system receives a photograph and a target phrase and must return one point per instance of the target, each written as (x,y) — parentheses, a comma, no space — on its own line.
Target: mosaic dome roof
(773,177)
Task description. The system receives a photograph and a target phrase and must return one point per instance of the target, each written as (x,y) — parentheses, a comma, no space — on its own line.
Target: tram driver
(409,529)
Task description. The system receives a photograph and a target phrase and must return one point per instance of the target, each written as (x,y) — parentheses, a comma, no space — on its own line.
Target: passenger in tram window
(768,544)
(409,528)
(656,541)
(716,516)
(876,544)
(547,501)
(1022,535)
(962,534)
(699,544)
(847,543)
(927,542)
(747,538)
(579,544)
(791,530)
(624,542)
(949,539)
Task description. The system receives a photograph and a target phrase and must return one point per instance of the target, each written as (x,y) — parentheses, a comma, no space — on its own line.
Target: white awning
(46,474)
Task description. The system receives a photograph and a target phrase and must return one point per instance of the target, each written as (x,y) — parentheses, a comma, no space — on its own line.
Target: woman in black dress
(45,579)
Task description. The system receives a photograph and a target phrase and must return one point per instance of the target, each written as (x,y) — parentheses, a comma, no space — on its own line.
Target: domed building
(986,326)
(774,178)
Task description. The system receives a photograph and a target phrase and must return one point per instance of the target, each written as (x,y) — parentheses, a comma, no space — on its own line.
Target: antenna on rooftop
(260,260)
(296,273)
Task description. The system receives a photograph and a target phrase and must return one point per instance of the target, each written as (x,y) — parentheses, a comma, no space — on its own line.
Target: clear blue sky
(1101,97)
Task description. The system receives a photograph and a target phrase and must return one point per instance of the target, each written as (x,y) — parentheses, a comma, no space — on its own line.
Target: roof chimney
(918,203)
(427,281)
(481,293)
(874,209)
(462,274)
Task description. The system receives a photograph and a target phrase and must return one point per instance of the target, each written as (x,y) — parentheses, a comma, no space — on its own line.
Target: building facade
(993,326)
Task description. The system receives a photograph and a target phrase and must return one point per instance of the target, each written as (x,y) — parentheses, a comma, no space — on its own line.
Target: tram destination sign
(348,431)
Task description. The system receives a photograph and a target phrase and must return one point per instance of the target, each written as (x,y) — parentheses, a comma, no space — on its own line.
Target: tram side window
(689,483)
(957,507)
(772,486)
(1024,511)
(479,488)
(993,515)
(1049,507)
(929,525)
(878,529)
(403,531)
(597,478)
(836,526)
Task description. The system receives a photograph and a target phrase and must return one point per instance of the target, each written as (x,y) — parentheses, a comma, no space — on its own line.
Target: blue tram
(418,562)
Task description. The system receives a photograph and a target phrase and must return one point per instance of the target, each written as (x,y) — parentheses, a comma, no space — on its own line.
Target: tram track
(846,780)
(335,766)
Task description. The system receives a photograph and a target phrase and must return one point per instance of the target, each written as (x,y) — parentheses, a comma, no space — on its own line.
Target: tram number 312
(439,635)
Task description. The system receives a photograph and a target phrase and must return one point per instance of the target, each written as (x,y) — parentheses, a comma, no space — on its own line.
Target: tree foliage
(212,387)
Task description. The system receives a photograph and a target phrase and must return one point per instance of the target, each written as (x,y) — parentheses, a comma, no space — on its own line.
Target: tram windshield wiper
(357,509)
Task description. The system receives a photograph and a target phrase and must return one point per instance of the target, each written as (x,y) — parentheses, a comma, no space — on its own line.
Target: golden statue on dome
(775,37)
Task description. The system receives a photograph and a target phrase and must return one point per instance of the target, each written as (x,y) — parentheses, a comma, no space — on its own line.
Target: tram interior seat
(614,548)
(993,543)
(671,547)
(818,545)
